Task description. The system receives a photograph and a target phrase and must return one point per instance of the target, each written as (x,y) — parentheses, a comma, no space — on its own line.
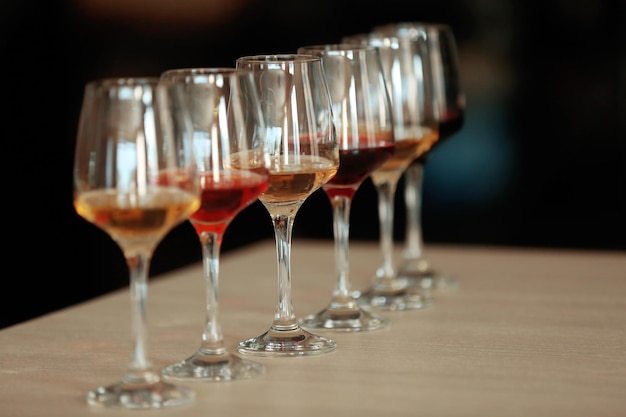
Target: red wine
(226,195)
(451,124)
(355,166)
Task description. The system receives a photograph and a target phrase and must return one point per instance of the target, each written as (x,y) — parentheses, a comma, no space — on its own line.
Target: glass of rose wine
(362,112)
(450,110)
(135,178)
(304,156)
(232,162)
(407,73)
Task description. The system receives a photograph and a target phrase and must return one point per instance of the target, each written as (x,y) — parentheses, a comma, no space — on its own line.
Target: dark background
(540,161)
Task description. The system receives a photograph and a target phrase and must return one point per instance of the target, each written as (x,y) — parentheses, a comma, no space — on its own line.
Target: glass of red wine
(304,156)
(362,114)
(232,165)
(135,179)
(450,112)
(407,74)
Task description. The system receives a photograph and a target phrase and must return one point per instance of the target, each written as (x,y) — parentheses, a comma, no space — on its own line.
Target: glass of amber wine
(232,164)
(407,73)
(449,102)
(304,156)
(135,178)
(362,112)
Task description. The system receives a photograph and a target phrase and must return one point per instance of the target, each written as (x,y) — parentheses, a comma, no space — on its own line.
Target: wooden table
(529,333)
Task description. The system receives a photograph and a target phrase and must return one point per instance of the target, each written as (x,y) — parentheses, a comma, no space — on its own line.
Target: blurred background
(540,161)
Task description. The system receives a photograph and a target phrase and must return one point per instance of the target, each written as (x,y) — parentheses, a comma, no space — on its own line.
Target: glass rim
(394,40)
(341,46)
(278,58)
(414,24)
(201,71)
(123,81)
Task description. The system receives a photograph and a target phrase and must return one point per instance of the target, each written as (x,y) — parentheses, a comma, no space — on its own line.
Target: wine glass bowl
(135,179)
(362,114)
(304,156)
(232,163)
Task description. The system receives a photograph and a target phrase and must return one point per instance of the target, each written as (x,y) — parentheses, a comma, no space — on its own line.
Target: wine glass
(304,156)
(362,112)
(233,166)
(135,178)
(450,109)
(407,72)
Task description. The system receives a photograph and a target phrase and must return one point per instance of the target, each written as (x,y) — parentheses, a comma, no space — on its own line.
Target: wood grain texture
(530,332)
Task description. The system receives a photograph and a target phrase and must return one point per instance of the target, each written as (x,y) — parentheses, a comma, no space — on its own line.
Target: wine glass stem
(414,243)
(284,318)
(212,337)
(386,191)
(140,370)
(341,230)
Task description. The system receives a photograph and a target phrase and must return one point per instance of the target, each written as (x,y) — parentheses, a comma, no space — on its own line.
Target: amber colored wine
(226,195)
(355,165)
(405,152)
(137,219)
(447,127)
(292,181)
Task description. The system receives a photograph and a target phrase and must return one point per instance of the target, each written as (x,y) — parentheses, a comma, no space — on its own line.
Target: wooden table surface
(529,333)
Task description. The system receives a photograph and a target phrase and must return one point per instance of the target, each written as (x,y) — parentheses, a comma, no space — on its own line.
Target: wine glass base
(350,319)
(418,273)
(405,299)
(295,341)
(201,367)
(140,396)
